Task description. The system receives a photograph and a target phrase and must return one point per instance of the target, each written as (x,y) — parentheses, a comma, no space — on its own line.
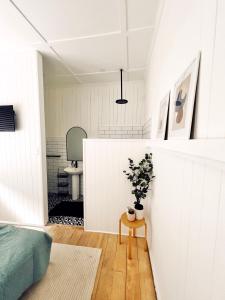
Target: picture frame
(182,102)
(163,117)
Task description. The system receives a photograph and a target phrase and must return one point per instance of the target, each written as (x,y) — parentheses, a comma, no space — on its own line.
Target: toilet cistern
(74,172)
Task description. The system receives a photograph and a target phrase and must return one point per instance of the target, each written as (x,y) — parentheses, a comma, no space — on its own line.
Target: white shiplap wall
(187,217)
(203,22)
(187,212)
(23,187)
(93,107)
(107,192)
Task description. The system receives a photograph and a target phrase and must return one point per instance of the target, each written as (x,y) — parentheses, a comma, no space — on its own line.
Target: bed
(24,258)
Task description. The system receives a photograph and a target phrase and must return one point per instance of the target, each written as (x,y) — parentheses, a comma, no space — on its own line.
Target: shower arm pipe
(121,100)
(121,82)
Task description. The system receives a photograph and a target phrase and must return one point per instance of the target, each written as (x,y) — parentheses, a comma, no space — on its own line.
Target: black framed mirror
(74,143)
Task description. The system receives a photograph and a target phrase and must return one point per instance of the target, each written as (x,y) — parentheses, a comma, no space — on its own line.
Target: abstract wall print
(162,117)
(182,102)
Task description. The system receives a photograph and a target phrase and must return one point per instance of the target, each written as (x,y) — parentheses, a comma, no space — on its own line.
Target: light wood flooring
(118,277)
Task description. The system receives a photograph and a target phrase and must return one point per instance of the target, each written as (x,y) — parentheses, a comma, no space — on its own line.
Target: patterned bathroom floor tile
(66,220)
(53,200)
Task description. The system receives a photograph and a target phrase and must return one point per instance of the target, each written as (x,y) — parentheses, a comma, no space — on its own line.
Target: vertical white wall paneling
(165,217)
(204,98)
(93,107)
(217,106)
(218,288)
(107,190)
(187,208)
(173,52)
(22,155)
(207,237)
(187,222)
(43,197)
(196,201)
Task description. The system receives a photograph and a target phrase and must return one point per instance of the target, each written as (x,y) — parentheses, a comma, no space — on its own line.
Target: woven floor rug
(70,275)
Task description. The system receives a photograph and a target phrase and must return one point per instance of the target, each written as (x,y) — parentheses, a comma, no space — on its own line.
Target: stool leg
(146,246)
(120,231)
(129,243)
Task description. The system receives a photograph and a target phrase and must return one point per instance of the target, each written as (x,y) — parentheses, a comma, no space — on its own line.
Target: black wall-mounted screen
(7,118)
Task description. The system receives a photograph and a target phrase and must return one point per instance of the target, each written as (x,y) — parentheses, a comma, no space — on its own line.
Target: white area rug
(70,275)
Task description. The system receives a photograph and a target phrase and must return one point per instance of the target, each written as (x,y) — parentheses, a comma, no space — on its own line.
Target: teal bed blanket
(24,258)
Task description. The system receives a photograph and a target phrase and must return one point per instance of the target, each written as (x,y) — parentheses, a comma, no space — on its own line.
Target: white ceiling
(82,40)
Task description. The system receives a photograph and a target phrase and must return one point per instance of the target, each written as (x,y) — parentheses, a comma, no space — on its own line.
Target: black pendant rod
(121,100)
(121,82)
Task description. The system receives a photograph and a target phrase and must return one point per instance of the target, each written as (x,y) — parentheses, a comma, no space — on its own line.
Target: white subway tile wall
(57,146)
(147,127)
(120,132)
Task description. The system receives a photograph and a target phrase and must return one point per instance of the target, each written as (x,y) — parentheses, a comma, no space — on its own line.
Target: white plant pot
(130,217)
(139,214)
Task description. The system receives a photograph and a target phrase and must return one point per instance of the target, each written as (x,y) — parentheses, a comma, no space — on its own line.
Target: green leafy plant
(140,175)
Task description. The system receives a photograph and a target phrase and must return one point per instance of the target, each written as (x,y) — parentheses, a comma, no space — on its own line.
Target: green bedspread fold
(24,258)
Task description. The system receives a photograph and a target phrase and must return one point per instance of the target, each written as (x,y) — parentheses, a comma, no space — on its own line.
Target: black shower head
(121,101)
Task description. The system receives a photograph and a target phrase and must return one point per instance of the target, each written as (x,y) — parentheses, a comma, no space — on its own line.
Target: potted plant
(140,176)
(130,214)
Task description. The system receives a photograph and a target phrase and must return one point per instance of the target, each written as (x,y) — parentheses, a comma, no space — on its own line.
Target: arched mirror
(74,143)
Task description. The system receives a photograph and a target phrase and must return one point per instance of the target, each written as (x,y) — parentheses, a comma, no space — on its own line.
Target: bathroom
(91,106)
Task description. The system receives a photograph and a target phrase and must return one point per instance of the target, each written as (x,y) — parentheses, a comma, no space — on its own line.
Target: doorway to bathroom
(93,107)
(65,177)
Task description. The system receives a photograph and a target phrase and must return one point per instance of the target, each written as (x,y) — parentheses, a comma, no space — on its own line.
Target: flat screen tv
(7,118)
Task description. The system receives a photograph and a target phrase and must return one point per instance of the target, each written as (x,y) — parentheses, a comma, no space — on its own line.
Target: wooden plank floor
(118,278)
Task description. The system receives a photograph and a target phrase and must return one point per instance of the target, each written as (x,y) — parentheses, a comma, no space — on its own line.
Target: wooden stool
(132,227)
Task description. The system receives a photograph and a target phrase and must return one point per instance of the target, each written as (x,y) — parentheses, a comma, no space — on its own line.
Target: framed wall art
(182,102)
(162,117)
